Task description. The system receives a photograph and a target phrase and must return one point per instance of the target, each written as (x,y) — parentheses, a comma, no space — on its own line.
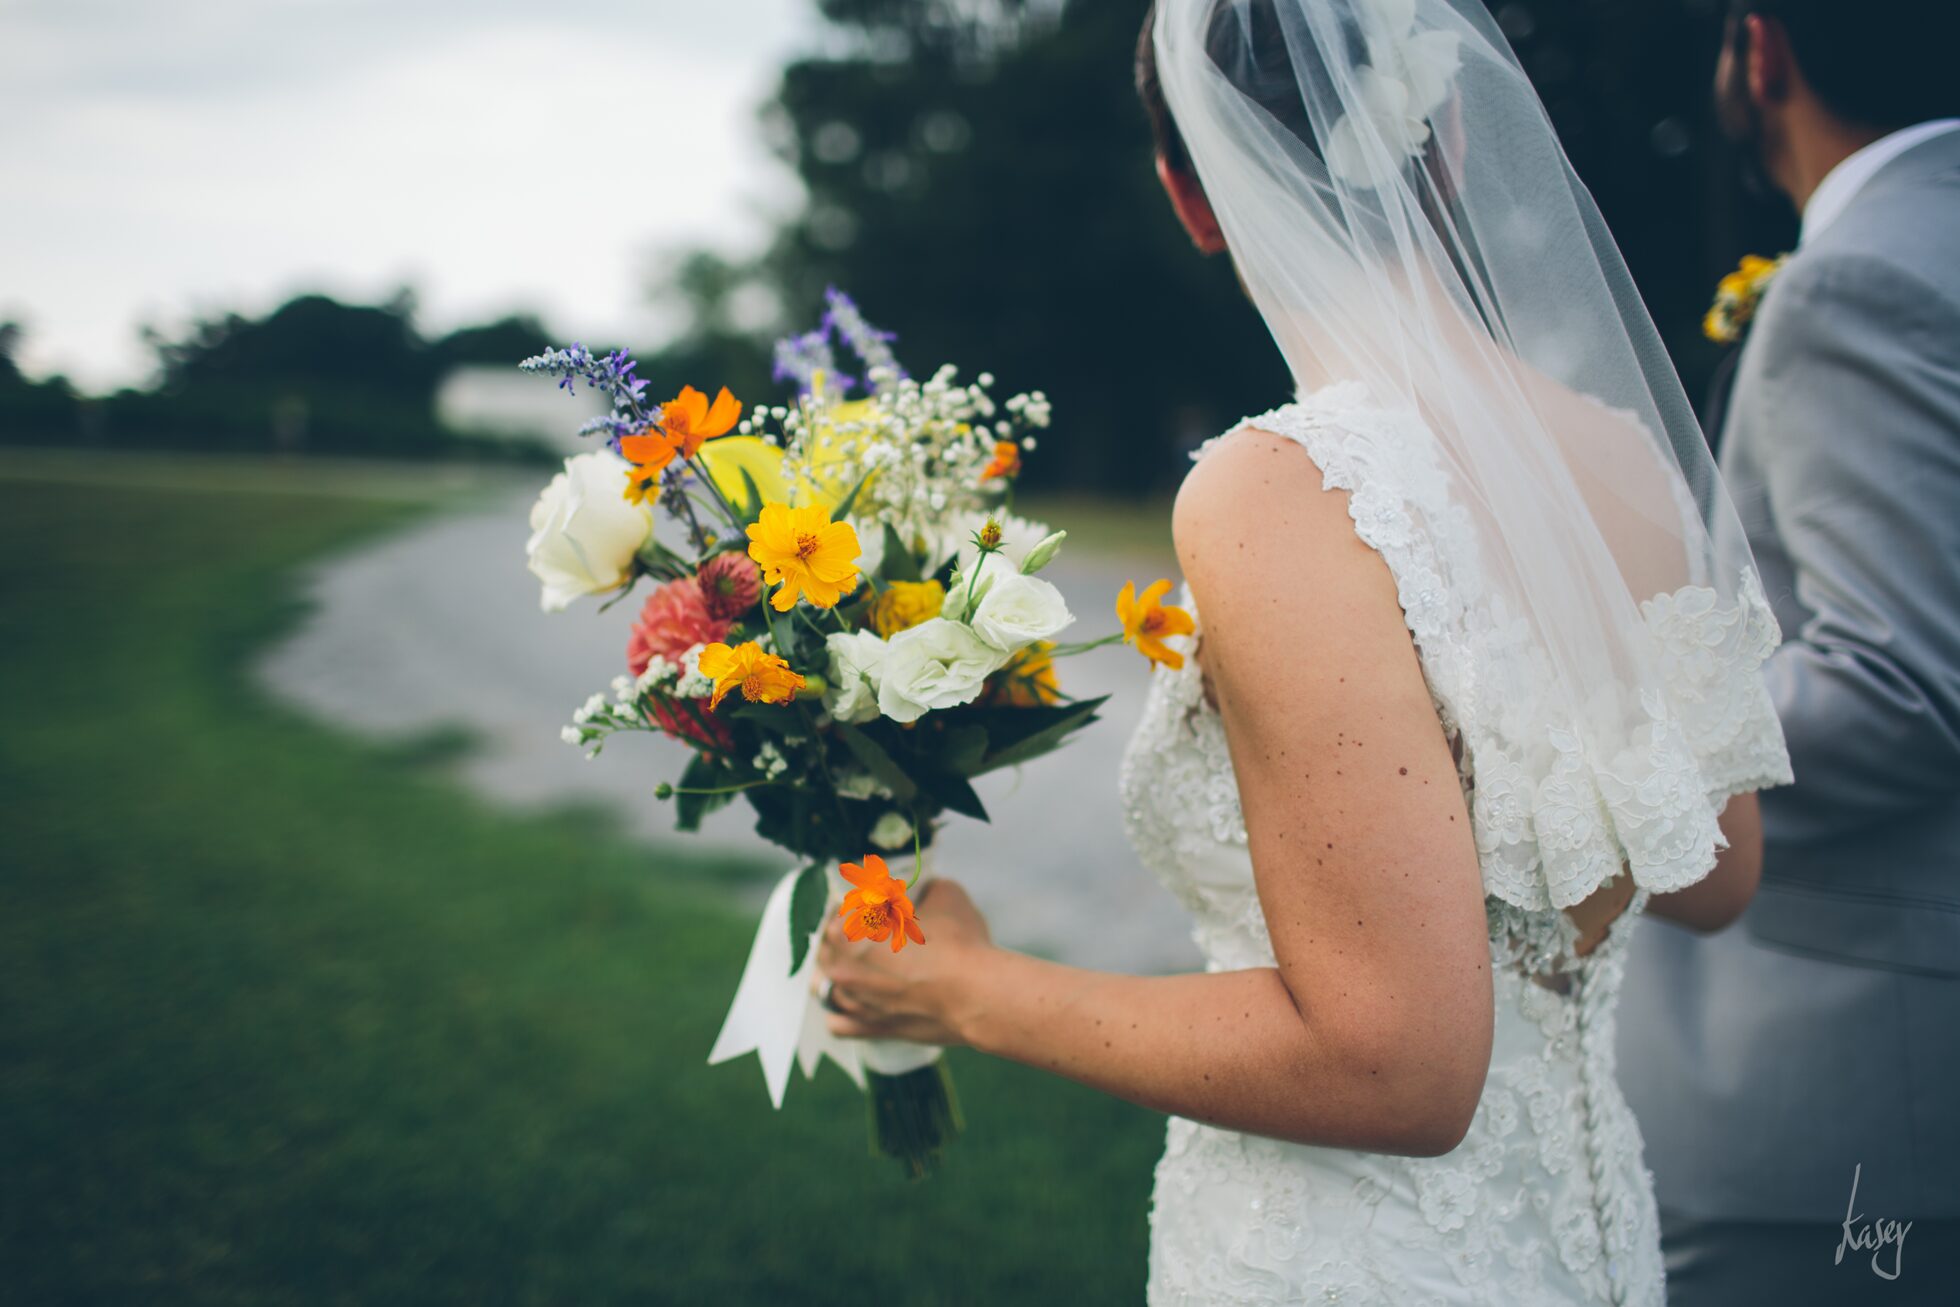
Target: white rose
(856,658)
(1018,610)
(584,531)
(936,664)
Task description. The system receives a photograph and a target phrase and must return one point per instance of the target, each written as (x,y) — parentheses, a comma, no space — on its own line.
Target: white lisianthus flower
(1018,610)
(1044,553)
(871,545)
(970,585)
(856,660)
(936,664)
(891,831)
(584,531)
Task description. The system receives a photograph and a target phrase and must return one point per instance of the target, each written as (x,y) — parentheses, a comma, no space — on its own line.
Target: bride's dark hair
(1247,42)
(1248,45)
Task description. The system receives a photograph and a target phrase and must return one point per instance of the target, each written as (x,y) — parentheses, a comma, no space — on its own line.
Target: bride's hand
(921,993)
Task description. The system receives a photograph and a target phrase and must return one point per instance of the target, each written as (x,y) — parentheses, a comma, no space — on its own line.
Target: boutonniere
(1737,297)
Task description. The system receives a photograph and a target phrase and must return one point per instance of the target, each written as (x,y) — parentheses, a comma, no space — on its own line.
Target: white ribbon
(776,1016)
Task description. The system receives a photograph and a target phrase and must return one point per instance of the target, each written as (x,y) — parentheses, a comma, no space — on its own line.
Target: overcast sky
(160,157)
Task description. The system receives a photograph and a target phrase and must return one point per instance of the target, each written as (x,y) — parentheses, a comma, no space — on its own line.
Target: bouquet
(847,625)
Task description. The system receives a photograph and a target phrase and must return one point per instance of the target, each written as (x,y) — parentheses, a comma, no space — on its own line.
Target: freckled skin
(1368,1037)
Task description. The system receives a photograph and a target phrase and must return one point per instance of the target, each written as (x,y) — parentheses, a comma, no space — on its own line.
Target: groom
(1797,1077)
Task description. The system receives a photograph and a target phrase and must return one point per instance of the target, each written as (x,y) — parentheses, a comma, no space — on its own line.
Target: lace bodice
(1546,1200)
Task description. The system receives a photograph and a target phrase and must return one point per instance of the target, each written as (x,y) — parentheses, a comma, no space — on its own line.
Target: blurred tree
(10,338)
(495,344)
(977,174)
(307,344)
(32,411)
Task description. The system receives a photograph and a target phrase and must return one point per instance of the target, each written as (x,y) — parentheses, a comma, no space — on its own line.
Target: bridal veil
(1401,213)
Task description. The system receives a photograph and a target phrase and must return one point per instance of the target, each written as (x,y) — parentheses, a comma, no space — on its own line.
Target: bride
(1475,683)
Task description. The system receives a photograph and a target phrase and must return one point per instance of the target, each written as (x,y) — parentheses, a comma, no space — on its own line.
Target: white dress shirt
(1842,183)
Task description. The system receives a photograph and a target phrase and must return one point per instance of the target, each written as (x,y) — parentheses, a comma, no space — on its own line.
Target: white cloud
(494,155)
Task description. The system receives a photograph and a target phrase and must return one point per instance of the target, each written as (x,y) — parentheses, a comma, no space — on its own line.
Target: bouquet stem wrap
(913,1111)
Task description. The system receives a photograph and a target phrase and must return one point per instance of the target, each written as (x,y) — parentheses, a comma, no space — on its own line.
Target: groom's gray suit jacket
(1823,1031)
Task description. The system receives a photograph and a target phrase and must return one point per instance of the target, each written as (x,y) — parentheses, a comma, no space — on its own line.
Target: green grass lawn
(287,1018)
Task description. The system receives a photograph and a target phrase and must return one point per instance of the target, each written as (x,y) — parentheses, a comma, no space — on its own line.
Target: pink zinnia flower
(691,723)
(674,620)
(731,585)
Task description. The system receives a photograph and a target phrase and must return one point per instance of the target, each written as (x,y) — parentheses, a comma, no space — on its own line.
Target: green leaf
(752,498)
(784,818)
(953,793)
(872,757)
(702,774)
(774,718)
(961,749)
(1042,735)
(806,903)
(899,565)
(848,502)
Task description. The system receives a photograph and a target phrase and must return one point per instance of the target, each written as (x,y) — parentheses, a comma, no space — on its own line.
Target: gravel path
(440,626)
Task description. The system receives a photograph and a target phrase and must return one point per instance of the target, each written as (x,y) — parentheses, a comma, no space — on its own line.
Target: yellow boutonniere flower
(762,677)
(806,553)
(1738,296)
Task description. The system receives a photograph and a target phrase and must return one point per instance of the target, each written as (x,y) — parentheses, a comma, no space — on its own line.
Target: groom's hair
(1875,63)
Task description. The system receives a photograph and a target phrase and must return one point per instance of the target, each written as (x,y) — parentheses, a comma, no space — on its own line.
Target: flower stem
(707,477)
(664,791)
(1069,650)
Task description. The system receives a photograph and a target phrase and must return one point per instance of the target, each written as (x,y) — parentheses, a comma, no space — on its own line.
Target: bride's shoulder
(1257,505)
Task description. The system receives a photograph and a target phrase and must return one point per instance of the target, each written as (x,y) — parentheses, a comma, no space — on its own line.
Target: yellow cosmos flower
(762,677)
(905,604)
(806,553)
(1148,620)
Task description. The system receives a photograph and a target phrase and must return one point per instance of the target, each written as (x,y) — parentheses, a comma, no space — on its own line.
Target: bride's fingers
(846,1026)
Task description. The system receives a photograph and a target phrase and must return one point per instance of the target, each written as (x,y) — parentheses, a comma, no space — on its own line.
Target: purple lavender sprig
(872,346)
(613,375)
(800,358)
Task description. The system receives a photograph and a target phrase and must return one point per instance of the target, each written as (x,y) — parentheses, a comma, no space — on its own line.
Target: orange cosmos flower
(1148,620)
(763,677)
(878,909)
(1006,462)
(687,421)
(806,552)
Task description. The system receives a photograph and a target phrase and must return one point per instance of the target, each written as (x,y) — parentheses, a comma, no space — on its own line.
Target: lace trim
(1557,810)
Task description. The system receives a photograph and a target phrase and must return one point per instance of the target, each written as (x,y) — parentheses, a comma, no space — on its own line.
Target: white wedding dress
(1546,1200)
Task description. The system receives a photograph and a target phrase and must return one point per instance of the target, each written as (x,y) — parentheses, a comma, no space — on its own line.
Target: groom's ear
(1193,209)
(1770,63)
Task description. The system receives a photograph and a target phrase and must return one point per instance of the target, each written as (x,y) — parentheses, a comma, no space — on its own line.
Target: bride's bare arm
(1374,1030)
(1719,898)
